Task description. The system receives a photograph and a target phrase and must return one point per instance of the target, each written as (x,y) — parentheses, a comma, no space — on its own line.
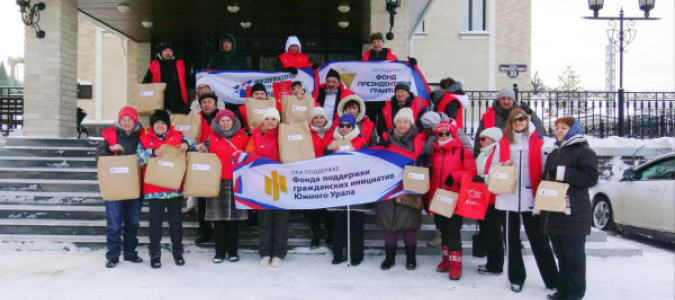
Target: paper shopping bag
(202,178)
(295,142)
(416,179)
(444,203)
(503,180)
(167,170)
(344,145)
(295,109)
(473,200)
(118,177)
(551,196)
(255,109)
(149,97)
(189,125)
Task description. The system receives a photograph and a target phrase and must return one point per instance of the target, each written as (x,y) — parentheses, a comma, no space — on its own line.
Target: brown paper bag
(344,145)
(416,179)
(118,177)
(167,170)
(202,178)
(412,201)
(295,109)
(295,142)
(444,202)
(149,96)
(503,180)
(551,196)
(190,125)
(255,110)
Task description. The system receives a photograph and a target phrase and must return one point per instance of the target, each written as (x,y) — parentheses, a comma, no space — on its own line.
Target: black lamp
(30,15)
(595,6)
(392,5)
(646,6)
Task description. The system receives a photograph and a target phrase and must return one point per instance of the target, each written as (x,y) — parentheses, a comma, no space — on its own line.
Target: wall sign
(512,70)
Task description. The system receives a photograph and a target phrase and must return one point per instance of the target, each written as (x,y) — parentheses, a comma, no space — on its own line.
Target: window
(473,15)
(659,171)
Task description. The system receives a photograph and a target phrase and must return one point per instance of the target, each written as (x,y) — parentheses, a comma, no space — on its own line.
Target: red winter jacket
(180,68)
(366,127)
(242,112)
(224,151)
(390,55)
(205,129)
(417,105)
(320,143)
(300,60)
(150,141)
(459,118)
(451,159)
(265,145)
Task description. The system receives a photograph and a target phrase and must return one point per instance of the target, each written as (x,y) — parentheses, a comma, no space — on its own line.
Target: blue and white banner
(340,179)
(375,80)
(230,86)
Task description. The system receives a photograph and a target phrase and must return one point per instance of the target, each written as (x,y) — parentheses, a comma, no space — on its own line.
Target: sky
(560,38)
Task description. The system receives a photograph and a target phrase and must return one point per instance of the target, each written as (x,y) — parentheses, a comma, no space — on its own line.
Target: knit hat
(316,112)
(271,113)
(376,36)
(444,126)
(333,73)
(348,118)
(293,40)
(160,115)
(402,86)
(506,92)
(493,132)
(405,113)
(224,113)
(208,95)
(128,111)
(203,81)
(164,45)
(258,87)
(430,119)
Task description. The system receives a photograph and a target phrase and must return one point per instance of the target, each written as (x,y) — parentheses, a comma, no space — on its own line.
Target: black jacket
(581,173)
(229,60)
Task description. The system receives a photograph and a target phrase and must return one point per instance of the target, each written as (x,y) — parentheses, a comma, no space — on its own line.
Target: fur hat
(203,81)
(402,86)
(352,98)
(333,73)
(316,112)
(258,87)
(208,95)
(376,36)
(224,113)
(271,113)
(128,111)
(293,40)
(405,113)
(160,115)
(506,92)
(493,132)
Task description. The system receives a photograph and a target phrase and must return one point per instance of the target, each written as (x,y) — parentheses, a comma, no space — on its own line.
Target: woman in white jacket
(522,147)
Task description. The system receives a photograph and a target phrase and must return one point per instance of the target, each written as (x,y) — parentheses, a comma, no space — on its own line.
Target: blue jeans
(122,216)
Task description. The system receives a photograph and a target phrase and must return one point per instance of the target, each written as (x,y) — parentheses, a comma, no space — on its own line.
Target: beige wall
(379,22)
(513,40)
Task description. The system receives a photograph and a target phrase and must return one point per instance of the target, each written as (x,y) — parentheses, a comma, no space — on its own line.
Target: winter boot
(455,265)
(445,259)
(410,261)
(436,241)
(390,258)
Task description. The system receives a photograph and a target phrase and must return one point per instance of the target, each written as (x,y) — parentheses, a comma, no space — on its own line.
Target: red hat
(224,113)
(447,126)
(128,111)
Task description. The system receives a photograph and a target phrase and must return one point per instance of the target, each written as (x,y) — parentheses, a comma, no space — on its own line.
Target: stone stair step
(41,151)
(47,162)
(49,185)
(41,198)
(47,173)
(52,142)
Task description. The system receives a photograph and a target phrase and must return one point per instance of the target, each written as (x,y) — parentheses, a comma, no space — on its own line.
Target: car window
(659,171)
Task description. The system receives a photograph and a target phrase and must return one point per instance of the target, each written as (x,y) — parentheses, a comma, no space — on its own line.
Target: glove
(412,61)
(291,70)
(316,66)
(449,181)
(422,160)
(383,143)
(478,178)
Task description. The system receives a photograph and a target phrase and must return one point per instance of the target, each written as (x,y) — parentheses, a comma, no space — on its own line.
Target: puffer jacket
(451,159)
(264,144)
(228,60)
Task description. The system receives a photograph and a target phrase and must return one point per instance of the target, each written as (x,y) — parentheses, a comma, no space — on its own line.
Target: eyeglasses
(343,125)
(520,119)
(444,133)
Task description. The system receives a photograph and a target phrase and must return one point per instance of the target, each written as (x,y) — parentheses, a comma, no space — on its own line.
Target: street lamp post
(621,38)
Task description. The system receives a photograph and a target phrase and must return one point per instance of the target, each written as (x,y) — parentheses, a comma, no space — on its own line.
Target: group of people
(430,130)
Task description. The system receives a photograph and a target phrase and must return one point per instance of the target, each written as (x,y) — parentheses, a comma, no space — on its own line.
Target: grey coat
(222,208)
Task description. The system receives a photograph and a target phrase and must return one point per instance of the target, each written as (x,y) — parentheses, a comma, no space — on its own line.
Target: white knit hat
(272,113)
(204,81)
(493,132)
(317,111)
(293,40)
(405,113)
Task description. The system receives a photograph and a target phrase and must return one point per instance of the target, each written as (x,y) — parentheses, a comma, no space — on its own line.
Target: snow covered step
(41,198)
(49,185)
(47,162)
(52,142)
(47,173)
(43,151)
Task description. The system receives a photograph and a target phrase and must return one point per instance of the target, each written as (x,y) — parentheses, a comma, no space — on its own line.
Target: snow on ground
(82,275)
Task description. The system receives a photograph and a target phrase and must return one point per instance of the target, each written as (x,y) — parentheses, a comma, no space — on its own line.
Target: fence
(11,108)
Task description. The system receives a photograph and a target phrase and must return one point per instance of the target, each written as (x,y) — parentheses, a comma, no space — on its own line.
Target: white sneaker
(265,261)
(276,262)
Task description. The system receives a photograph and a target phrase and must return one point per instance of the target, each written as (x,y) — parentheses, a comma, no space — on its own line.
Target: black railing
(11,109)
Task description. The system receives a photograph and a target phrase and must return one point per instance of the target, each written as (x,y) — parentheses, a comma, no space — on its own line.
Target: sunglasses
(444,133)
(520,119)
(343,125)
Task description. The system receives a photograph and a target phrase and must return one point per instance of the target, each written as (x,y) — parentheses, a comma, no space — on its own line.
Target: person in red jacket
(293,58)
(258,92)
(378,52)
(451,100)
(450,162)
(226,137)
(319,127)
(122,216)
(403,97)
(166,68)
(355,106)
(273,223)
(329,94)
(160,132)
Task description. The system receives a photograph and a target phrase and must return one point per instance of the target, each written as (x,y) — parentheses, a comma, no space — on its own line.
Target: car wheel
(602,213)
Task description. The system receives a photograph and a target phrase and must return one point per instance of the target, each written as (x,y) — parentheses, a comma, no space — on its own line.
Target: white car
(641,202)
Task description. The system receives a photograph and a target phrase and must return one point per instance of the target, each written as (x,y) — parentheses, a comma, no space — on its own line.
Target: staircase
(49,200)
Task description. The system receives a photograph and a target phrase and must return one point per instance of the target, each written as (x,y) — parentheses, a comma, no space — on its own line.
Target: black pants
(356,223)
(541,248)
(157,207)
(571,253)
(315,218)
(273,232)
(451,228)
(205,229)
(226,236)
(491,230)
